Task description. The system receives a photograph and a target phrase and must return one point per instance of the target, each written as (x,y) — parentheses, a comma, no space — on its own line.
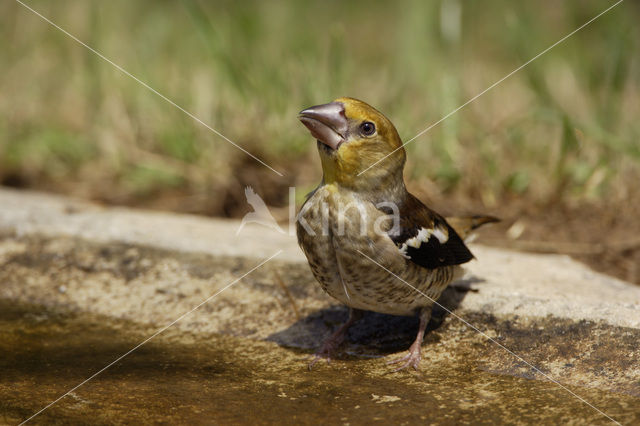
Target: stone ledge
(511,283)
(80,281)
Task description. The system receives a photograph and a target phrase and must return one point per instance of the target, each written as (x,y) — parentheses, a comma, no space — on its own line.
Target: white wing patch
(440,233)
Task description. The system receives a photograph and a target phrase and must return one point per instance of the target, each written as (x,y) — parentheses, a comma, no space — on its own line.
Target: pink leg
(412,359)
(332,342)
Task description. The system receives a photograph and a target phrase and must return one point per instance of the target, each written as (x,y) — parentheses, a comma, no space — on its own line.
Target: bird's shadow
(375,334)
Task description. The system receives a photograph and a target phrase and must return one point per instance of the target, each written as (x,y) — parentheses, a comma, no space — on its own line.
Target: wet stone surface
(69,307)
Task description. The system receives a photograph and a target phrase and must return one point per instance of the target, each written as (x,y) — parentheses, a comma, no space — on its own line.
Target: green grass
(565,127)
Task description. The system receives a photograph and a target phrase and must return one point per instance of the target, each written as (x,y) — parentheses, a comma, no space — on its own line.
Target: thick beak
(327,123)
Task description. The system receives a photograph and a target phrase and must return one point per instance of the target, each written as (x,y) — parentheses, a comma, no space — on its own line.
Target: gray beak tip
(327,123)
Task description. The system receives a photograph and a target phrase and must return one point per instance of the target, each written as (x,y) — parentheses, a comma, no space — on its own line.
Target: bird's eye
(367,128)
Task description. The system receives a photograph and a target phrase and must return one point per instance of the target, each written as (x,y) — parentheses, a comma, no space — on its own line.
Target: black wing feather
(432,253)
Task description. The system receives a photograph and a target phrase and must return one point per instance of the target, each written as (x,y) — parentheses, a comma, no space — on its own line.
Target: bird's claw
(412,359)
(317,357)
(325,352)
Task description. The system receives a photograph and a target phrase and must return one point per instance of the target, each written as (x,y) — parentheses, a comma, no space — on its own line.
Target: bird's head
(352,136)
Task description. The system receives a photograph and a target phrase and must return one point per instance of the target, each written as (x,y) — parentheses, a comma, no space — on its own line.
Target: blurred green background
(564,129)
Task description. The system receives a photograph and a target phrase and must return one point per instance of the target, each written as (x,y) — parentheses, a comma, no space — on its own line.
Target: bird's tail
(465,225)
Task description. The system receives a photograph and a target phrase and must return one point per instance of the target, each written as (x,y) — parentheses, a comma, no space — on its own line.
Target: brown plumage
(358,215)
(465,225)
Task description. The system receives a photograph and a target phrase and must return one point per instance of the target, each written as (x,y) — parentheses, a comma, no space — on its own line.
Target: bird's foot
(317,357)
(411,359)
(331,344)
(327,349)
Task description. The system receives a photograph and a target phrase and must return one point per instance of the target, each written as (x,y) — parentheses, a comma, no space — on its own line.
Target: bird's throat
(329,165)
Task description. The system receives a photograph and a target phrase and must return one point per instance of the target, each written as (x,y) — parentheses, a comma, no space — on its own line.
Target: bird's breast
(354,260)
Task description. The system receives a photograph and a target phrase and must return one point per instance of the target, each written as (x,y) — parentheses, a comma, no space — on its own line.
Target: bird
(369,242)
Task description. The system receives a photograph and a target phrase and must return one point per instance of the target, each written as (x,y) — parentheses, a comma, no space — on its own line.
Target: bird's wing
(425,237)
(465,225)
